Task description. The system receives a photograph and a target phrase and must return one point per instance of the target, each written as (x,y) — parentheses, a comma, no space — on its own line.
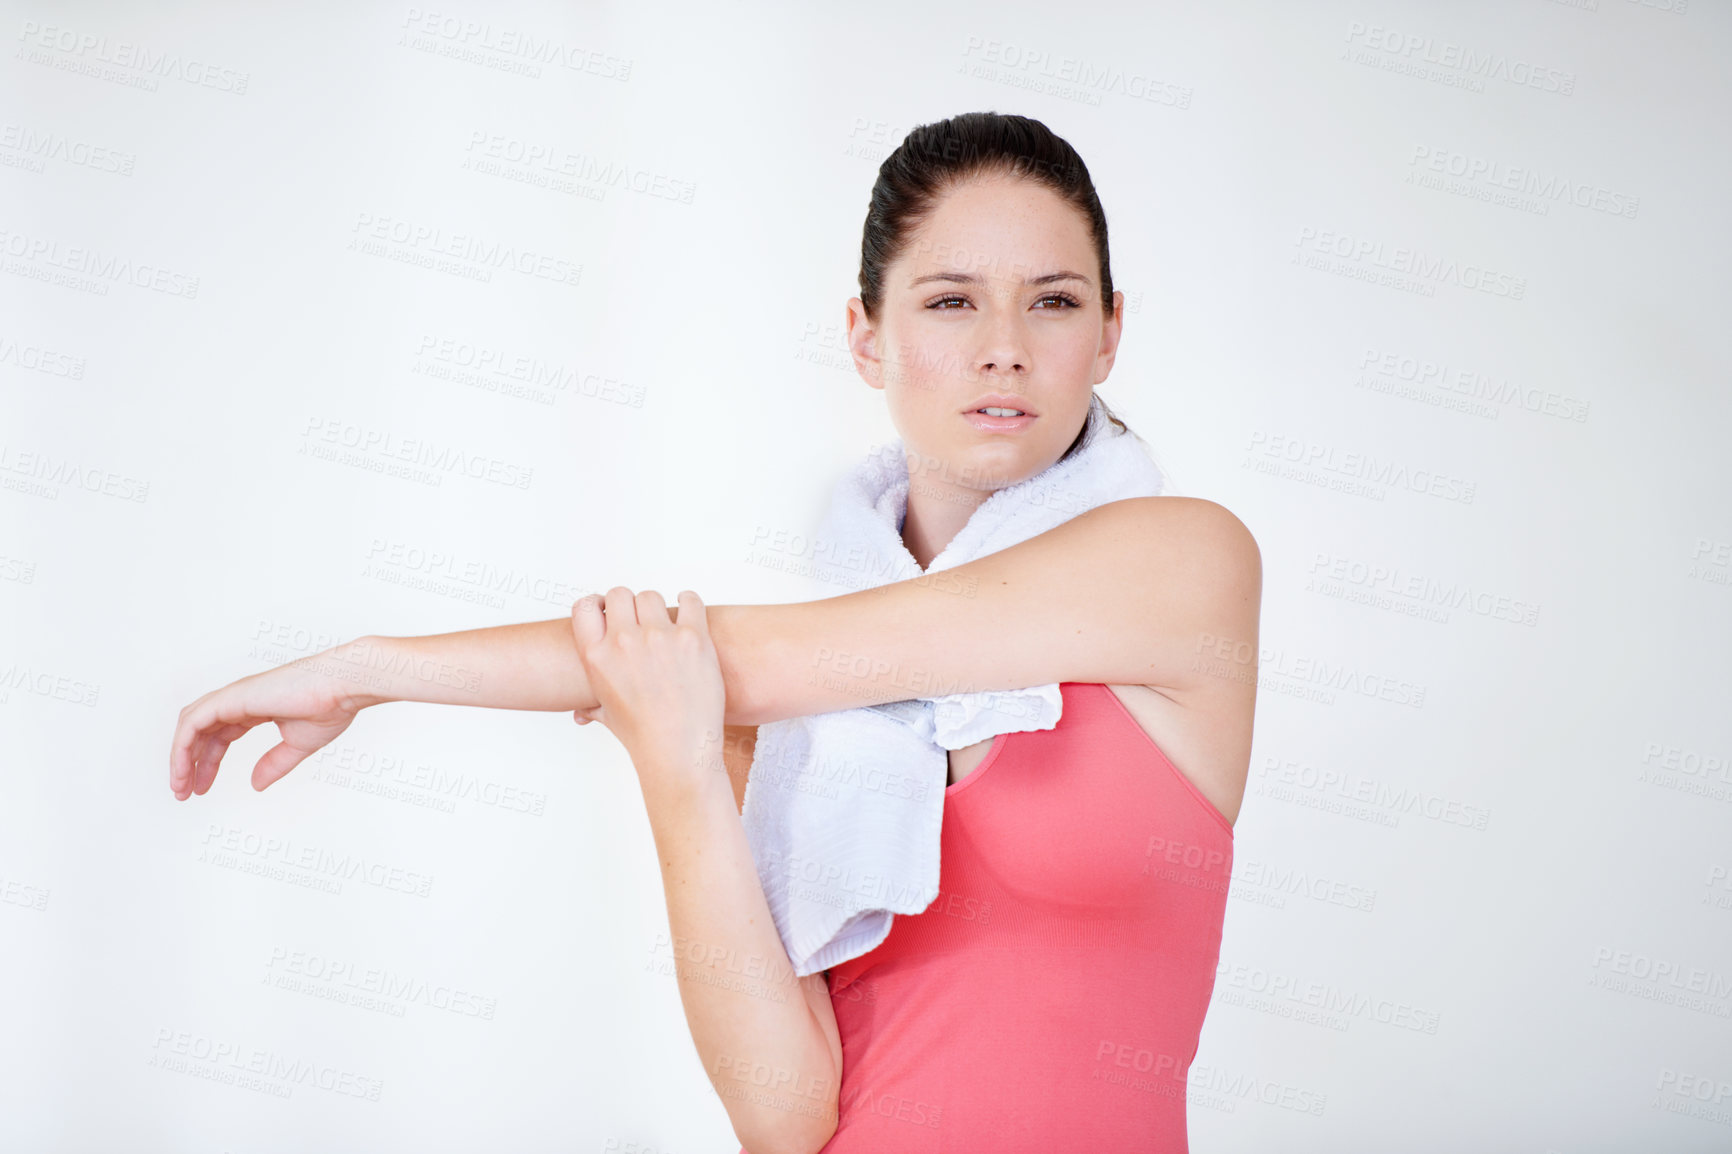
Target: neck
(934,518)
(938,507)
(937,511)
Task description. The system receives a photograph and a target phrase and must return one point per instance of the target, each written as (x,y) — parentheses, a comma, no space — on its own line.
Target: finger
(222,716)
(183,759)
(180,749)
(621,609)
(216,720)
(587,623)
(692,612)
(175,743)
(210,757)
(205,763)
(276,763)
(652,610)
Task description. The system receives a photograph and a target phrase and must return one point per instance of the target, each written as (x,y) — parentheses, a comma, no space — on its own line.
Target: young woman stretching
(1053,995)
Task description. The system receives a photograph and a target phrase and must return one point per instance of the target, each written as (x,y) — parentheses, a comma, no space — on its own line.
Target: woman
(1053,994)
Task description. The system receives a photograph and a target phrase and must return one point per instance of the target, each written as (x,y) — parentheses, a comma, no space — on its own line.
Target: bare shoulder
(1207,528)
(1199,552)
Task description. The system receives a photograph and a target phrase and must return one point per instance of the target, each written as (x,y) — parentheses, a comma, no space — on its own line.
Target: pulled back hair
(934,159)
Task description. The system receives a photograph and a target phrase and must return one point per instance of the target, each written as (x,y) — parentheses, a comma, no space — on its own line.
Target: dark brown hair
(934,158)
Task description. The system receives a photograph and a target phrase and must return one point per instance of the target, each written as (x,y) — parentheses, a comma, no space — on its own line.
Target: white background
(187,333)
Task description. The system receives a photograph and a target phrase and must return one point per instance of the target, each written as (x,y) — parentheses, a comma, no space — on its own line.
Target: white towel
(843,809)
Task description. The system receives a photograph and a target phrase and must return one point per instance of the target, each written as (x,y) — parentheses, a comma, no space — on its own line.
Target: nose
(1004,349)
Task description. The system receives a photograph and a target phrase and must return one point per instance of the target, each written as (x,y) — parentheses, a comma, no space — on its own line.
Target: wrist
(356,669)
(692,766)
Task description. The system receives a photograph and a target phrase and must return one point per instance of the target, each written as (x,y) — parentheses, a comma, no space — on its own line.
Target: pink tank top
(1052,995)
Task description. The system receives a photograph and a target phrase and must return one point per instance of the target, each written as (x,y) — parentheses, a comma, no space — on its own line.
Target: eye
(942,301)
(1065,300)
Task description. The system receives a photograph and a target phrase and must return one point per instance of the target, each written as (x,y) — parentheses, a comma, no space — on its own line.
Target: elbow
(805,1129)
(808,1141)
(819,1134)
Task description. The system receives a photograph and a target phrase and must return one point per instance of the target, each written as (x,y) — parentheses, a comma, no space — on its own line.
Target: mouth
(999,418)
(1000,405)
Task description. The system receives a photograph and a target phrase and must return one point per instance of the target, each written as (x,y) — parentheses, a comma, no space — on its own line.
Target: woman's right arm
(1158,591)
(533,665)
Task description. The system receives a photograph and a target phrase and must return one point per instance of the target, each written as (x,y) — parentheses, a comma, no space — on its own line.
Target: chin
(1003,465)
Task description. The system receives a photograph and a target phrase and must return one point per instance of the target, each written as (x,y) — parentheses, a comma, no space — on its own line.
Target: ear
(1111,331)
(863,343)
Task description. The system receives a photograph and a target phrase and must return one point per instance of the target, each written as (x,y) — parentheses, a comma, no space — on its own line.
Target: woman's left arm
(1157,591)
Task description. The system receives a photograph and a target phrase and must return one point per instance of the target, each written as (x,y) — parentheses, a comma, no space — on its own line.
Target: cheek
(934,353)
(1069,350)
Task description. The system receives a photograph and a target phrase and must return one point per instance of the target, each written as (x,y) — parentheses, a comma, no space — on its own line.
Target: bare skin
(1157,598)
(660,691)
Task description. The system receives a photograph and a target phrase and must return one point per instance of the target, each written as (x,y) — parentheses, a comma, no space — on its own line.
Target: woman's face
(995,301)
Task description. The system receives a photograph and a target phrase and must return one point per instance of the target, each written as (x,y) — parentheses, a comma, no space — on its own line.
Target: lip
(998,424)
(1001,401)
(988,424)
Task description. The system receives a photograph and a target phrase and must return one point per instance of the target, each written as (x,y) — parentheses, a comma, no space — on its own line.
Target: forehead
(999,228)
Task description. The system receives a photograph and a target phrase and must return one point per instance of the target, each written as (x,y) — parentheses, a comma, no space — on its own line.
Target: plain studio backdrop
(322,320)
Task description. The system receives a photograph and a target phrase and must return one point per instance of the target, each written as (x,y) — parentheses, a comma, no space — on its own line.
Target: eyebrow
(969,278)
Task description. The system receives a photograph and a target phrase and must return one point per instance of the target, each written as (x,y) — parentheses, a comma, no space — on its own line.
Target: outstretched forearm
(533,665)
